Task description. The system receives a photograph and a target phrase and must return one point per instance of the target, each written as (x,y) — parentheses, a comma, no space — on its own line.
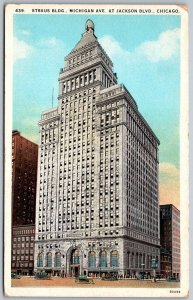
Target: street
(70,282)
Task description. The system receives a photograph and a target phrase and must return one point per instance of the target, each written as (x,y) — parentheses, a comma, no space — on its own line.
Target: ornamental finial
(89,25)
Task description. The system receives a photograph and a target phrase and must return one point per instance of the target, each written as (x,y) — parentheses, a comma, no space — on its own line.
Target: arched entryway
(75,262)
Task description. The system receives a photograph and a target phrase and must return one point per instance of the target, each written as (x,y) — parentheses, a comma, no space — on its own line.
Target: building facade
(165,262)
(23,249)
(24,179)
(97,207)
(170,240)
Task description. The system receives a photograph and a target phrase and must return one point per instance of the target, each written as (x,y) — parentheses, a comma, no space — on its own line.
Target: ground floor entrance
(23,272)
(75,270)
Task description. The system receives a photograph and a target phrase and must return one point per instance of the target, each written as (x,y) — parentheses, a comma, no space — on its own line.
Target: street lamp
(21,264)
(167,271)
(62,270)
(143,269)
(99,271)
(154,265)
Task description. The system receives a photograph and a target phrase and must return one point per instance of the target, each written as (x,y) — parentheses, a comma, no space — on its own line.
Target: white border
(184,174)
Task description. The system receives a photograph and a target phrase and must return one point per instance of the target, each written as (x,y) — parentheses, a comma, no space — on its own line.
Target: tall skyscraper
(170,239)
(24,179)
(97,198)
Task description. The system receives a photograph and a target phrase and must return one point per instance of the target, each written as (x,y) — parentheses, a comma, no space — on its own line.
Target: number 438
(19,10)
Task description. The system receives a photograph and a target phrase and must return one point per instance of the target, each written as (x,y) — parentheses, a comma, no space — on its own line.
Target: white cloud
(21,49)
(51,42)
(113,47)
(25,32)
(164,48)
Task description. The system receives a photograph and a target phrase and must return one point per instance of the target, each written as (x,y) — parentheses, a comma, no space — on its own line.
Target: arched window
(133,260)
(40,260)
(57,261)
(103,259)
(148,262)
(136,260)
(75,259)
(92,259)
(49,260)
(140,260)
(114,259)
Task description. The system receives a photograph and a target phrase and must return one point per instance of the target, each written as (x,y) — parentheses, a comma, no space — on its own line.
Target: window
(75,259)
(40,260)
(92,259)
(114,259)
(58,260)
(49,260)
(103,259)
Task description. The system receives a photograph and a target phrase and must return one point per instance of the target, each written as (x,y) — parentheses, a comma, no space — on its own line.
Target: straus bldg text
(97,195)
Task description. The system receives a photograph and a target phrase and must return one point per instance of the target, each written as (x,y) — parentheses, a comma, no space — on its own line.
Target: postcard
(96,150)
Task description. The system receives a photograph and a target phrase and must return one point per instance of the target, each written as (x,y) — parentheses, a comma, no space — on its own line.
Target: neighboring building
(165,262)
(97,207)
(23,249)
(24,176)
(24,179)
(170,238)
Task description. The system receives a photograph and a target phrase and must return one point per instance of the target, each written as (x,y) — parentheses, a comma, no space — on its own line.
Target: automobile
(110,277)
(42,275)
(15,276)
(173,279)
(139,276)
(83,279)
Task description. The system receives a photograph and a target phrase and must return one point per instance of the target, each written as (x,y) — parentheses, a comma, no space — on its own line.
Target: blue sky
(145,51)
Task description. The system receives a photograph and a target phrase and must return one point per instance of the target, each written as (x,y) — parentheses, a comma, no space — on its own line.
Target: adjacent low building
(170,240)
(23,249)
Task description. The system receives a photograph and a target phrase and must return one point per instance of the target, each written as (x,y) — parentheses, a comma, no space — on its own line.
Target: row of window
(22,257)
(139,260)
(23,245)
(70,101)
(79,58)
(49,115)
(109,107)
(23,238)
(76,259)
(23,251)
(79,81)
(106,80)
(137,123)
(19,264)
(60,235)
